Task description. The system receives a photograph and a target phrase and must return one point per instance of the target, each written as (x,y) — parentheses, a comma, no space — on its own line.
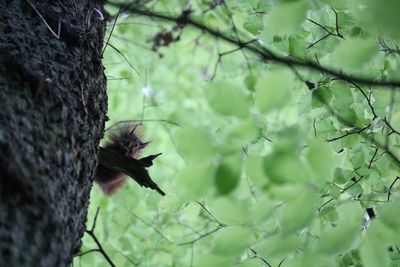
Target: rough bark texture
(52,111)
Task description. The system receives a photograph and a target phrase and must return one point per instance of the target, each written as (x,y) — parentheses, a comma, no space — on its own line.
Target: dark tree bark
(52,111)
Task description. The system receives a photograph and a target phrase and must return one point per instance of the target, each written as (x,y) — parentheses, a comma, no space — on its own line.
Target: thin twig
(112,29)
(351,185)
(387,49)
(329,33)
(279,265)
(209,213)
(143,120)
(127,61)
(372,159)
(263,52)
(57,35)
(93,236)
(87,252)
(260,258)
(152,226)
(355,131)
(391,187)
(366,98)
(201,236)
(222,54)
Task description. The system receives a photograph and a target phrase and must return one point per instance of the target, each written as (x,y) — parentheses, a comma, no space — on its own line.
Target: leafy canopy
(280,134)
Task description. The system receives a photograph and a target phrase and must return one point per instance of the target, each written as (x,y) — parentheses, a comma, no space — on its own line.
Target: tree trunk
(52,111)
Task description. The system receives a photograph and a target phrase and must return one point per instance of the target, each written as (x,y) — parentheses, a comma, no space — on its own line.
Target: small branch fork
(261,51)
(387,49)
(259,257)
(222,54)
(99,246)
(355,181)
(152,226)
(220,225)
(328,32)
(390,129)
(355,131)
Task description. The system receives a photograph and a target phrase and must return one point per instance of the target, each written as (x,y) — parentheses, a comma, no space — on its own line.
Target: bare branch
(201,236)
(263,52)
(99,246)
(260,258)
(387,49)
(112,29)
(127,61)
(212,216)
(152,226)
(391,187)
(372,159)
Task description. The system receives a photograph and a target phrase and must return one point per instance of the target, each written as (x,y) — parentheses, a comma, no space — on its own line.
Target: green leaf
(212,260)
(299,212)
(389,214)
(381,99)
(191,211)
(342,103)
(338,239)
(250,82)
(329,213)
(228,173)
(243,132)
(334,191)
(381,17)
(321,97)
(288,140)
(343,96)
(321,158)
(195,180)
(324,128)
(286,17)
(273,90)
(338,176)
(354,53)
(284,167)
(374,250)
(296,47)
(254,167)
(254,24)
(349,116)
(279,246)
(229,210)
(249,263)
(262,210)
(227,99)
(232,240)
(304,104)
(193,143)
(170,203)
(358,158)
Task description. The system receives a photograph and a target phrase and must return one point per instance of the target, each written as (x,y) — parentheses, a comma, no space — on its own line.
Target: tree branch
(261,51)
(391,187)
(100,248)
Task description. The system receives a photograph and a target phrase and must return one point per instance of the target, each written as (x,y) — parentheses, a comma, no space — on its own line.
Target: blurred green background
(258,169)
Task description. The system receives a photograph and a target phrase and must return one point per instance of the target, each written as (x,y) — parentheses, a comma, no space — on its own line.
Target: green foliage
(264,162)
(281,22)
(227,99)
(273,90)
(354,53)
